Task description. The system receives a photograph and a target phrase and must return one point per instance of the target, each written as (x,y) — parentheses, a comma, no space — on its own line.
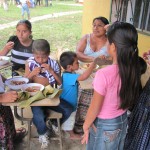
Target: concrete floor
(68,144)
(53,145)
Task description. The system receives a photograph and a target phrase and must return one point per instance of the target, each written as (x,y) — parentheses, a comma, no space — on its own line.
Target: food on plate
(13,82)
(33,89)
(42,70)
(85,66)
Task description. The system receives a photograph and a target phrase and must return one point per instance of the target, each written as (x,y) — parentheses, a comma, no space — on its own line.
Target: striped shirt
(53,64)
(19,53)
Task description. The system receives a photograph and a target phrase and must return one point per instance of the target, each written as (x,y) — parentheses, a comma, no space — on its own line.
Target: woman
(8,135)
(20,46)
(138,135)
(94,44)
(89,47)
(116,89)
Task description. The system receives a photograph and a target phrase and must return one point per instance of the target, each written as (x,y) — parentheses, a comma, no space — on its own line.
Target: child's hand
(85,136)
(47,67)
(10,96)
(36,71)
(9,45)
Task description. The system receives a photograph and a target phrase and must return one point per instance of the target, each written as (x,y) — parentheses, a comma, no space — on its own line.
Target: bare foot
(74,136)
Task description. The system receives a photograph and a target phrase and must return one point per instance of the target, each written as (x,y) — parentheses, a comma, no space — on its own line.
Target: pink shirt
(107,83)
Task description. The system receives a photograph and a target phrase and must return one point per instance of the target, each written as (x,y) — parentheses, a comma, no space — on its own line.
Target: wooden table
(45,102)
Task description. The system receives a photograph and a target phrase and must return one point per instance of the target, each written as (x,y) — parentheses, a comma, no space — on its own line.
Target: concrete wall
(92,9)
(143,43)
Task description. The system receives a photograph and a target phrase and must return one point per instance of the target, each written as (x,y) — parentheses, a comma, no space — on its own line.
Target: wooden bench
(32,129)
(57,116)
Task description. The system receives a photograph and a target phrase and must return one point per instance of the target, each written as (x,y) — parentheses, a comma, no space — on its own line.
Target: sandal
(20,134)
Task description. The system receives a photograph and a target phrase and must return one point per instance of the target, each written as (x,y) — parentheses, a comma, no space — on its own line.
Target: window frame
(126,11)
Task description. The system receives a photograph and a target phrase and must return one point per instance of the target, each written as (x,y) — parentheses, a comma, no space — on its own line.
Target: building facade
(121,10)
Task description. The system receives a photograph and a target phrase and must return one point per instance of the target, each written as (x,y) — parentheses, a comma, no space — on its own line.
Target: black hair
(67,58)
(41,45)
(143,65)
(26,22)
(103,19)
(125,37)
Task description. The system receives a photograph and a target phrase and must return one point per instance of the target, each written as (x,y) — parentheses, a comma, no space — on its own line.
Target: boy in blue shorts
(69,62)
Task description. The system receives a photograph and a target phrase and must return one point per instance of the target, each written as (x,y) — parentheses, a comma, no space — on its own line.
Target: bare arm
(30,74)
(6,48)
(50,70)
(10,96)
(80,50)
(94,109)
(57,77)
(87,73)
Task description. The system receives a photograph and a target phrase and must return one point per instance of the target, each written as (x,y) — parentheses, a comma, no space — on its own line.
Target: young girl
(116,88)
(8,134)
(19,45)
(42,69)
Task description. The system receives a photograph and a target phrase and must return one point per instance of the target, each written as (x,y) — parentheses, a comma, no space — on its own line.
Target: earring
(30,36)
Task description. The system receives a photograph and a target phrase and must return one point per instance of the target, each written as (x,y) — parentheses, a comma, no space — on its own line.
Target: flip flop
(20,134)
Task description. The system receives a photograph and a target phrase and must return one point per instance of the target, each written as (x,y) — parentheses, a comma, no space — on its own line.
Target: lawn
(63,32)
(14,13)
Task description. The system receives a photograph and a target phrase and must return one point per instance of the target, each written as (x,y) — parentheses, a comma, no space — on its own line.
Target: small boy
(69,62)
(42,69)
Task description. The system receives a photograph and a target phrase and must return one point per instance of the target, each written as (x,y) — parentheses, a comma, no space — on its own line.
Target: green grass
(14,13)
(63,32)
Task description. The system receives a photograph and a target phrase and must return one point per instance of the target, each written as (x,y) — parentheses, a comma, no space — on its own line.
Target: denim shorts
(109,135)
(25,8)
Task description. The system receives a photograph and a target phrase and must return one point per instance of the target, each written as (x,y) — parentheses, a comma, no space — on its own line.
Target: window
(136,12)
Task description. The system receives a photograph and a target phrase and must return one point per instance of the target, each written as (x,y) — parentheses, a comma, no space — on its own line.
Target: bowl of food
(16,83)
(32,88)
(85,66)
(4,60)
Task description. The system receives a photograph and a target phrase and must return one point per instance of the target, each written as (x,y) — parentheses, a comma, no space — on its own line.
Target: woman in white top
(89,47)
(94,44)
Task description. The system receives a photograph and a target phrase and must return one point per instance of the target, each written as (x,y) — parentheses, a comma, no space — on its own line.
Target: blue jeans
(40,114)
(110,134)
(65,108)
